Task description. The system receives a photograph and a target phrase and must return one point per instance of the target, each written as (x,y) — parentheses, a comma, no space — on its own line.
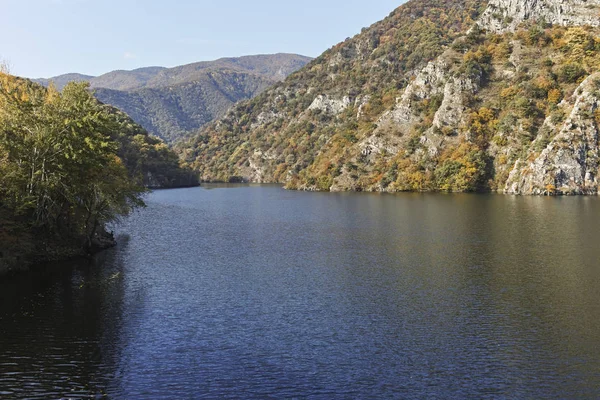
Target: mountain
(126,80)
(273,67)
(170,112)
(169,102)
(464,95)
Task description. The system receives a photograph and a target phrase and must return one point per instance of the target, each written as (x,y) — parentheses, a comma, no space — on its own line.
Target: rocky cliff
(507,15)
(569,163)
(441,95)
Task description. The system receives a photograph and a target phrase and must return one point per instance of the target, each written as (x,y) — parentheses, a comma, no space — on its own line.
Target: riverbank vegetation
(68,165)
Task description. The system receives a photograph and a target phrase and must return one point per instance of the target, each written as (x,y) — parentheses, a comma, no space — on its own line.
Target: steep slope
(278,135)
(171,101)
(441,95)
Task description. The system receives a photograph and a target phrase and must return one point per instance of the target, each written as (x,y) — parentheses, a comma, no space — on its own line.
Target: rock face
(329,105)
(506,15)
(569,164)
(436,80)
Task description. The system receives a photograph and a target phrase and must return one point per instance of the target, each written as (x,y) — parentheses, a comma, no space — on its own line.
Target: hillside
(441,95)
(169,102)
(172,111)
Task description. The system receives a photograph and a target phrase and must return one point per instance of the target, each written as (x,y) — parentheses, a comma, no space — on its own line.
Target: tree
(59,162)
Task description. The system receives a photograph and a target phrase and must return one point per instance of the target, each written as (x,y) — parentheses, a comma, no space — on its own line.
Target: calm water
(255,292)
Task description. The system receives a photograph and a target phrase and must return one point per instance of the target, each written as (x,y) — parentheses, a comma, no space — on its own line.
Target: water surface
(257,292)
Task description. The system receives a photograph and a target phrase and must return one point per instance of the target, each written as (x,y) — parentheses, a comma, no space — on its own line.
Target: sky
(45,38)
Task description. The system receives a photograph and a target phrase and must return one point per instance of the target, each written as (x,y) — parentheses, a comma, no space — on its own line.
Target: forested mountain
(453,95)
(169,102)
(68,165)
(171,111)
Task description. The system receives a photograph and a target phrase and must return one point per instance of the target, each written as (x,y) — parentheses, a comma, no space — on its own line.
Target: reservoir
(255,292)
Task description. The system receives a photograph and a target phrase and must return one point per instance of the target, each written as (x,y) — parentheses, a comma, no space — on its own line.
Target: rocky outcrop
(330,105)
(429,82)
(569,164)
(435,80)
(506,15)
(451,112)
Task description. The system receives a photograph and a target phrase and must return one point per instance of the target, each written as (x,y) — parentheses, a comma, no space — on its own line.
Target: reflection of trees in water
(60,327)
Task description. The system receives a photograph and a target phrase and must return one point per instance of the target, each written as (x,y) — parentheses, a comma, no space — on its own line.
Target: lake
(257,292)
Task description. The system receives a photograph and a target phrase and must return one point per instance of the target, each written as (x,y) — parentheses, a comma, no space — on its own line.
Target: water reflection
(59,328)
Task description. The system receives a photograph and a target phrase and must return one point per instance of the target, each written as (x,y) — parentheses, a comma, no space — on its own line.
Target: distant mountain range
(168,102)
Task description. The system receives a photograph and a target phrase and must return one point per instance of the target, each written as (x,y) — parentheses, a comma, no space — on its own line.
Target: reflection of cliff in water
(59,327)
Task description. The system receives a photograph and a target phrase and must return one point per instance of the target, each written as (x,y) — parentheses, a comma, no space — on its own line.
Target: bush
(571,73)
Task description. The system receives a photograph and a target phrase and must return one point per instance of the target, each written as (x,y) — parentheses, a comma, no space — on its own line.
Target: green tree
(59,161)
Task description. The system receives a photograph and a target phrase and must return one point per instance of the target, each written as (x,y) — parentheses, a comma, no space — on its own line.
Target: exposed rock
(451,112)
(361,101)
(265,118)
(330,105)
(435,79)
(569,164)
(506,15)
(429,82)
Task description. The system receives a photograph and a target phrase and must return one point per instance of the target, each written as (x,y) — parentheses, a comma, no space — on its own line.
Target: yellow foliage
(52,94)
(500,51)
(554,96)
(550,189)
(509,92)
(485,114)
(544,83)
(480,122)
(574,41)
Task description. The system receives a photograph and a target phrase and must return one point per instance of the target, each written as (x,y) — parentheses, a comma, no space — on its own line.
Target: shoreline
(19,265)
(12,265)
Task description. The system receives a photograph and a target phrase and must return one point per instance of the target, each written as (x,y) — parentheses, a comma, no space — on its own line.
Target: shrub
(571,73)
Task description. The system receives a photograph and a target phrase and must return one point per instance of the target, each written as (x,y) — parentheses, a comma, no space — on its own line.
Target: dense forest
(68,165)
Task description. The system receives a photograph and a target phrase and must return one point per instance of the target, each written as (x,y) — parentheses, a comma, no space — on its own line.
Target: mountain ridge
(169,102)
(157,76)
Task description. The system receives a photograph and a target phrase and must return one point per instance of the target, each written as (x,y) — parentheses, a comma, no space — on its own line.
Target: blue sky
(43,38)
